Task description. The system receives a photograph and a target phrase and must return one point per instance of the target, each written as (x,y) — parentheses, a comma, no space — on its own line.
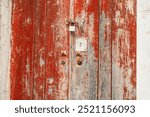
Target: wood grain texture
(39,58)
(83,82)
(21,71)
(44,61)
(124,50)
(105,30)
(57,49)
(5,24)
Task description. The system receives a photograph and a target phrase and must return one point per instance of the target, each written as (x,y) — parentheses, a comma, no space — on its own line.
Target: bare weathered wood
(57,49)
(105,30)
(5,32)
(124,50)
(83,82)
(21,71)
(44,61)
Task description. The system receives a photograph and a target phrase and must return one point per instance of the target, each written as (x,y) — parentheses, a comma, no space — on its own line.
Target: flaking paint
(40,34)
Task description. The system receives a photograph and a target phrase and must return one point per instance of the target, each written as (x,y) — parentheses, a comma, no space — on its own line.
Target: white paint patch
(50,80)
(117,17)
(42,62)
(130,4)
(120,33)
(130,72)
(28,66)
(88,2)
(50,90)
(28,20)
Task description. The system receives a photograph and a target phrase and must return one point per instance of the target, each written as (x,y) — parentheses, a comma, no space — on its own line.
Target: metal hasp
(71,24)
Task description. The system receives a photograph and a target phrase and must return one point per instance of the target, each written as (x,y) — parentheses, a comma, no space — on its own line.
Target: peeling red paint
(22,50)
(124,48)
(56,43)
(83,83)
(44,60)
(39,52)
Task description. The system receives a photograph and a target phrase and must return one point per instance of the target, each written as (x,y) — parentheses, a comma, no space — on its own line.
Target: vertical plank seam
(71,15)
(136,48)
(44,79)
(11,42)
(112,11)
(98,89)
(33,57)
(45,98)
(125,27)
(68,37)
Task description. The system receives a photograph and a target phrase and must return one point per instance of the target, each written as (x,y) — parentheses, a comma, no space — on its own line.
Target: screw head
(63,62)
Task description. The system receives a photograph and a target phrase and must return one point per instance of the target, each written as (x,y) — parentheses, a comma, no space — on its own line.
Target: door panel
(39,49)
(124,50)
(21,69)
(105,49)
(73,49)
(57,49)
(84,74)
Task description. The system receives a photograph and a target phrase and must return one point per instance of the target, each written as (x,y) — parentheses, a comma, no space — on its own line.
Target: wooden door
(73,49)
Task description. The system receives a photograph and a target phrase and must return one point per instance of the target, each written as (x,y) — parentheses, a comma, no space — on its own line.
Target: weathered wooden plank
(83,82)
(105,30)
(21,71)
(57,49)
(39,49)
(5,24)
(124,50)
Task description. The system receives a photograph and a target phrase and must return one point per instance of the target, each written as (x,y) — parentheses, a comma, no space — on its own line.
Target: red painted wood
(124,49)
(39,49)
(22,50)
(44,63)
(57,49)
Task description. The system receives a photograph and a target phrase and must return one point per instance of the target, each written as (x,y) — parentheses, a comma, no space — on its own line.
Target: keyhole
(79,63)
(80,44)
(79,59)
